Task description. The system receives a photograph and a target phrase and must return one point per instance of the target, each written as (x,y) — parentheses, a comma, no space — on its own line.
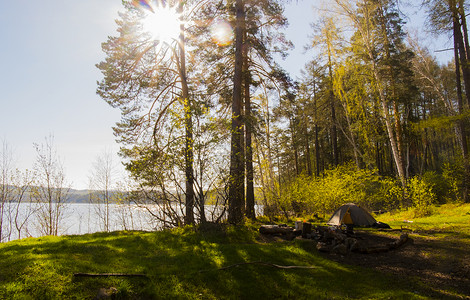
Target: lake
(82,218)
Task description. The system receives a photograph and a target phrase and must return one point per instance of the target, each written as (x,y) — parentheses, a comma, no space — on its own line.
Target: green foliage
(453,175)
(307,195)
(440,186)
(342,185)
(422,196)
(444,122)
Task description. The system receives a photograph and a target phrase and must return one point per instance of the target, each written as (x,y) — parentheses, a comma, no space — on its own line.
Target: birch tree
(102,187)
(52,191)
(378,41)
(6,188)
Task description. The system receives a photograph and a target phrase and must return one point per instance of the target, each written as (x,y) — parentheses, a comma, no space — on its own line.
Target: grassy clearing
(183,264)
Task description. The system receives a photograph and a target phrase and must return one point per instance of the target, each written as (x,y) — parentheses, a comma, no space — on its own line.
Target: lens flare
(142,4)
(222,33)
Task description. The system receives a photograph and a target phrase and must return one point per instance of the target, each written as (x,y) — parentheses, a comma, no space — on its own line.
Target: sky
(48,52)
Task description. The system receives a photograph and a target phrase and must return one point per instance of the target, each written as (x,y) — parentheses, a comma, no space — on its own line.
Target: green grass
(184,264)
(446,221)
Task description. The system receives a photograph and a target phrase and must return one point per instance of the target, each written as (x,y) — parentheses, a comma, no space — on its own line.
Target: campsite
(434,252)
(235,149)
(438,255)
(226,262)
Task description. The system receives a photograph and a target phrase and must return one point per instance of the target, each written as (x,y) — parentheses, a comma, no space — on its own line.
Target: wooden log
(107,275)
(275,229)
(390,246)
(392,230)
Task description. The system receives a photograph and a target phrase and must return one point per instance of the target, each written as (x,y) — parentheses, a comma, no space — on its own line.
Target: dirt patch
(442,265)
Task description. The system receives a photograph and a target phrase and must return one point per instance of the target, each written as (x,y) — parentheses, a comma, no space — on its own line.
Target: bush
(310,195)
(453,175)
(307,195)
(440,187)
(422,196)
(390,195)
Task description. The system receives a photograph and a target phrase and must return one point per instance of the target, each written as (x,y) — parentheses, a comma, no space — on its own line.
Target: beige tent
(360,216)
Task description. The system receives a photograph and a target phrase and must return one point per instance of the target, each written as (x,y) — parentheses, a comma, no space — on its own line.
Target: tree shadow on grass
(184,264)
(329,280)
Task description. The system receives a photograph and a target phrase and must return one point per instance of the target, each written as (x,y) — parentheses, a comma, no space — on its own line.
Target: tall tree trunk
(396,138)
(243,147)
(307,151)
(463,127)
(236,195)
(202,196)
(261,174)
(461,135)
(463,19)
(317,151)
(378,158)
(294,145)
(188,124)
(398,133)
(464,65)
(317,142)
(250,189)
(334,134)
(397,158)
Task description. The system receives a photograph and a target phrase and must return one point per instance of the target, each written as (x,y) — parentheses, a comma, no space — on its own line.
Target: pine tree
(142,75)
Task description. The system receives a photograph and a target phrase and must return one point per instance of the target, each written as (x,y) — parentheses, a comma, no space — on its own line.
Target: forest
(209,116)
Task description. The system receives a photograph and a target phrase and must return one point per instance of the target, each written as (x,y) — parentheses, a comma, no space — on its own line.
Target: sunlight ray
(162,21)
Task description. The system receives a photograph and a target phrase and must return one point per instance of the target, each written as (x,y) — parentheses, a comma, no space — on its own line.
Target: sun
(162,23)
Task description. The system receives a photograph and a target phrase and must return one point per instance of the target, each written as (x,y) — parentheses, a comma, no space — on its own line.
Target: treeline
(379,99)
(210,116)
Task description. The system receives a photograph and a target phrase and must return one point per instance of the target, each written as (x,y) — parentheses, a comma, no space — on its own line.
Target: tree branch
(261,263)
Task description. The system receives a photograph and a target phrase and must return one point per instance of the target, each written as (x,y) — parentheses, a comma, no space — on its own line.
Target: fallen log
(390,246)
(261,263)
(275,229)
(403,239)
(107,275)
(391,230)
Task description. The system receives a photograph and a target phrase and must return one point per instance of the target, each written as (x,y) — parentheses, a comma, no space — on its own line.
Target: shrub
(453,175)
(390,194)
(310,195)
(422,196)
(439,186)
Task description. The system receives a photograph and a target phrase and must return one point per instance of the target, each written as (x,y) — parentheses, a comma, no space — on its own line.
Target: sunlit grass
(185,264)
(446,220)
